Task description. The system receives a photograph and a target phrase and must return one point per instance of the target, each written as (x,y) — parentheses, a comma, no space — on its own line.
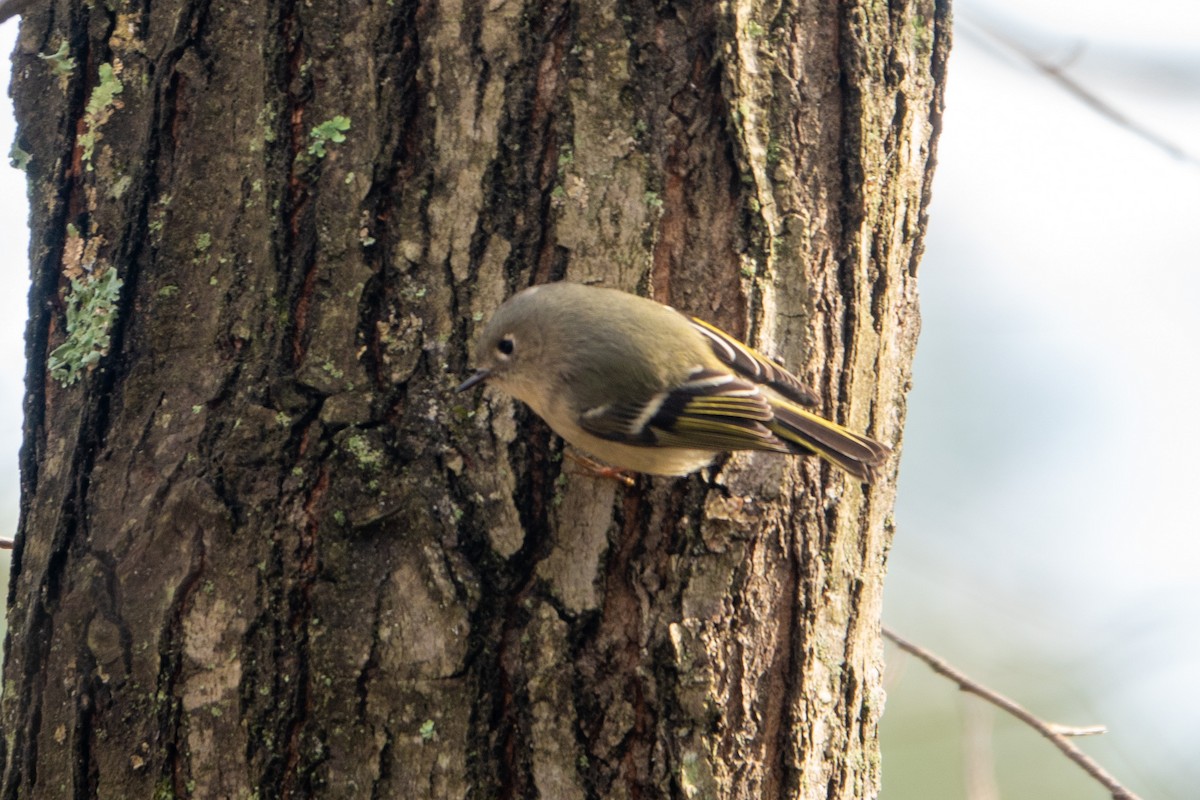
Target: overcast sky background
(1048,536)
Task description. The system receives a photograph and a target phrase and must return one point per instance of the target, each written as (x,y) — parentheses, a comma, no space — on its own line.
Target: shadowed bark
(266,552)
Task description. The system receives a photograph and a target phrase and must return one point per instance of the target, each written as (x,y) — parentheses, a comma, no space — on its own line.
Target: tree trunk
(266,552)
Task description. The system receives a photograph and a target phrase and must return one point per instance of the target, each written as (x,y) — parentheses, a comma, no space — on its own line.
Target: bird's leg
(598,470)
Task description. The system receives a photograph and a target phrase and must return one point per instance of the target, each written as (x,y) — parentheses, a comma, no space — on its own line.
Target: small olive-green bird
(644,388)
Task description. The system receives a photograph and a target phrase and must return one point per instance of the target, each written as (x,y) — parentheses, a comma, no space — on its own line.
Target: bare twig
(10,8)
(6,544)
(1055,733)
(1077,730)
(1055,73)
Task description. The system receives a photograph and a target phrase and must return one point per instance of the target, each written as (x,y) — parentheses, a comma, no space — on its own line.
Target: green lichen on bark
(100,106)
(91,309)
(60,61)
(18,158)
(331,131)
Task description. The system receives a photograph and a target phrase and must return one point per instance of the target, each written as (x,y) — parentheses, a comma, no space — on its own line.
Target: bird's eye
(505,346)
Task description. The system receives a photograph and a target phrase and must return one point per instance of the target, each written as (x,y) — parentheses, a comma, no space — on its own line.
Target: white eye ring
(506,346)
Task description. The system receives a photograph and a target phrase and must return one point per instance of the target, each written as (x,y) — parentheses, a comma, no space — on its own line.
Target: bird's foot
(598,470)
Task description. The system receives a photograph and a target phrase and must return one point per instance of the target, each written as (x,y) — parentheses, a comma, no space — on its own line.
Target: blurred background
(1048,542)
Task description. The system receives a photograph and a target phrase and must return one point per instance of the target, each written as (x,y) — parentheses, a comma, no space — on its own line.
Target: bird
(644,388)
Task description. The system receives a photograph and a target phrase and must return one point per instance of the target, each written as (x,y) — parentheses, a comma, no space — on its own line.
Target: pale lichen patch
(554,751)
(583,520)
(100,107)
(605,220)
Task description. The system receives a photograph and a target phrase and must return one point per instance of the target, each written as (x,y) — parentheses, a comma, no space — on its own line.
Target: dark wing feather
(751,364)
(716,410)
(711,410)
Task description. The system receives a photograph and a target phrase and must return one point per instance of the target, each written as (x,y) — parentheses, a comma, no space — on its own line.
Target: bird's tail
(805,432)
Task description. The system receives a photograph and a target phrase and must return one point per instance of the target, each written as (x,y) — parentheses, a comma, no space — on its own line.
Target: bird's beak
(480,376)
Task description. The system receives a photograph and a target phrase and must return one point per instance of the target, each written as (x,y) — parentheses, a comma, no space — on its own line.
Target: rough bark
(265,552)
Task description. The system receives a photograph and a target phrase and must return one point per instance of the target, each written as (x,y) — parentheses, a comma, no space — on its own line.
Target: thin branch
(1055,733)
(10,8)
(6,544)
(1055,73)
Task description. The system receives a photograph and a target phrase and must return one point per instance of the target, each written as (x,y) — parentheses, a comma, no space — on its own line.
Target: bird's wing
(711,410)
(753,365)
